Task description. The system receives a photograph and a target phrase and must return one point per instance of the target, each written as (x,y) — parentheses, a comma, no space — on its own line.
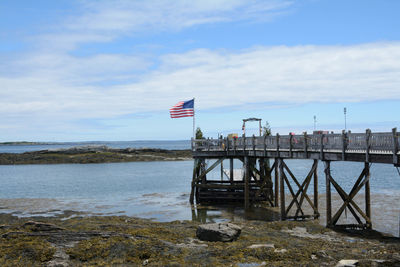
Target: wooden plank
(226,186)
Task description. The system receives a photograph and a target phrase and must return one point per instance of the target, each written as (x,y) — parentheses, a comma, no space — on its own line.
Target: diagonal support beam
(307,180)
(209,169)
(349,199)
(292,193)
(298,184)
(352,194)
(304,192)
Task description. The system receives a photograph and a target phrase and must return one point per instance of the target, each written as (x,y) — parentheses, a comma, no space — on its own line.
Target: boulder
(225,232)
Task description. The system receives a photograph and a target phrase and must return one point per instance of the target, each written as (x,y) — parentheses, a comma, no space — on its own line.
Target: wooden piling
(316,214)
(231,170)
(276,190)
(368,195)
(246,183)
(282,189)
(328,193)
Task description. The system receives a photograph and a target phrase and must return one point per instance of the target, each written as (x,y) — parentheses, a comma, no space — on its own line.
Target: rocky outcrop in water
(93,154)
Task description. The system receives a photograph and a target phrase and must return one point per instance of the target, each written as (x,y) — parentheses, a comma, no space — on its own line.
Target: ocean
(160,190)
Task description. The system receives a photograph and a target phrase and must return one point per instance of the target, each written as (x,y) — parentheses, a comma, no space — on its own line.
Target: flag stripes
(182,109)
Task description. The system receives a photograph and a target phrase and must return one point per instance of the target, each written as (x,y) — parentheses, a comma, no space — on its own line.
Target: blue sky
(110,70)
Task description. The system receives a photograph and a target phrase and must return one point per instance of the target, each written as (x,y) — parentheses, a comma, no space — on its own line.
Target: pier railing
(346,142)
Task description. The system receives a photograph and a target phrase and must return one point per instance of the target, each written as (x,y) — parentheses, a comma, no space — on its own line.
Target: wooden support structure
(301,194)
(255,185)
(348,200)
(262,182)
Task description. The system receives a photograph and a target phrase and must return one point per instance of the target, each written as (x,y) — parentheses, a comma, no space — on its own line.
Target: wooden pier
(263,181)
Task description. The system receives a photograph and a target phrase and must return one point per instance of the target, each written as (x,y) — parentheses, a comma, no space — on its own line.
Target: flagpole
(194,115)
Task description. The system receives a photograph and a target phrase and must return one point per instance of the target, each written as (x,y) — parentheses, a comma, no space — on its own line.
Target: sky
(79,70)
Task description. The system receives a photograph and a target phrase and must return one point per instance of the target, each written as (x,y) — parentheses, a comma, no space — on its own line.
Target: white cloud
(280,74)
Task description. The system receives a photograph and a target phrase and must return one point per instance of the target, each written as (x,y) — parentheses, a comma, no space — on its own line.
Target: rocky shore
(93,154)
(74,240)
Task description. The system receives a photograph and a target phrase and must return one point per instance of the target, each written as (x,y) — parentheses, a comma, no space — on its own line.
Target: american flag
(182,109)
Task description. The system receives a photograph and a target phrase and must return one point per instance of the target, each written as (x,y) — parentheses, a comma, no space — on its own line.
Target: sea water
(177,144)
(160,190)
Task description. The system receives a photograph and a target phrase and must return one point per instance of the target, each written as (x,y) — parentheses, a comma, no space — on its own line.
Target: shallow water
(160,190)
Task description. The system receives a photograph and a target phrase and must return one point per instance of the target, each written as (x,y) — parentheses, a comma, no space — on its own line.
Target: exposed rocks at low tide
(127,241)
(223,232)
(93,154)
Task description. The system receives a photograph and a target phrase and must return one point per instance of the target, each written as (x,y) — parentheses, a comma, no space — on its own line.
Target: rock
(283,250)
(262,246)
(347,263)
(225,232)
(41,227)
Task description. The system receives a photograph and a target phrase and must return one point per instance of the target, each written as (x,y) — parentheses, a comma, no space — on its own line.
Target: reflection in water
(233,212)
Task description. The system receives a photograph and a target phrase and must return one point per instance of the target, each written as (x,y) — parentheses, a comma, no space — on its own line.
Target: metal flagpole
(194,115)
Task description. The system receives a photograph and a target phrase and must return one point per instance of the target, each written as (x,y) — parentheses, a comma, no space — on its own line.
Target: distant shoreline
(93,154)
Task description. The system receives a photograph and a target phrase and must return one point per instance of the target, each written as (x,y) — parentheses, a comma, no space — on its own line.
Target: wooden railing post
(277,145)
(305,145)
(367,144)
(265,145)
(395,146)
(321,153)
(290,145)
(344,144)
(234,145)
(253,142)
(244,143)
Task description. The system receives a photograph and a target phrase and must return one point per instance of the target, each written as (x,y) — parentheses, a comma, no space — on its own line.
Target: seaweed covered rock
(225,232)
